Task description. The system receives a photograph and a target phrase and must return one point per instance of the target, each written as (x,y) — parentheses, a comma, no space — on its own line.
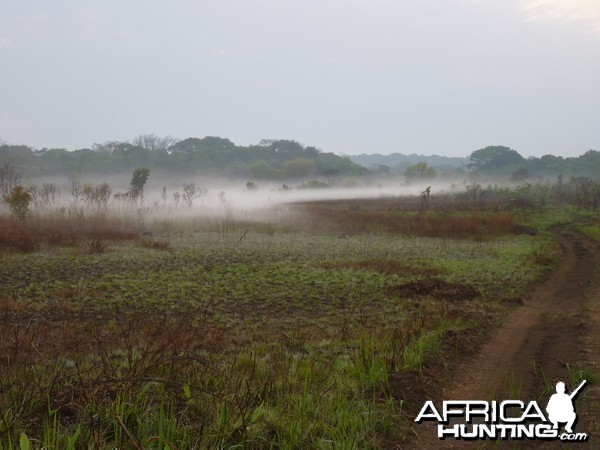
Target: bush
(19,199)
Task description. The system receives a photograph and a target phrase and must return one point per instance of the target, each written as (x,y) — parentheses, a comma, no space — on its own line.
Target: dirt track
(556,328)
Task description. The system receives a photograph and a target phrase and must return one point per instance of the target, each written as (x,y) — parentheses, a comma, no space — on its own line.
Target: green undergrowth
(590,230)
(268,396)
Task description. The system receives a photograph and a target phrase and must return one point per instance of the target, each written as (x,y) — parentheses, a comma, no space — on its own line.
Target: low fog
(164,197)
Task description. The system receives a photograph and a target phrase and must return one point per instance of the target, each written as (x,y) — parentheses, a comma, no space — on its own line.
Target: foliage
(19,200)
(587,192)
(96,196)
(420,171)
(298,168)
(138,181)
(591,231)
(494,157)
(397,163)
(208,155)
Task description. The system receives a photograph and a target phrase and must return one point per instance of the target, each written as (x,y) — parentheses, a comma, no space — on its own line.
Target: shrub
(19,199)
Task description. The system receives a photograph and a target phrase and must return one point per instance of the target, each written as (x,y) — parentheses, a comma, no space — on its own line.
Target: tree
(420,170)
(75,187)
(520,175)
(493,157)
(19,200)
(106,147)
(153,143)
(138,181)
(10,177)
(263,170)
(49,193)
(192,192)
(381,170)
(96,195)
(299,167)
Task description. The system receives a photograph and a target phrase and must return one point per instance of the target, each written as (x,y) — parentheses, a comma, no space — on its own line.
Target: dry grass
(95,246)
(375,216)
(93,230)
(155,244)
(28,342)
(384,266)
(81,364)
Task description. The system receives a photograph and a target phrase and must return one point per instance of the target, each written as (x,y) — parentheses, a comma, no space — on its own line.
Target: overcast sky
(347,76)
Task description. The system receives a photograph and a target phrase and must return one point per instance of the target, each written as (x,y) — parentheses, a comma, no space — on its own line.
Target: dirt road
(556,329)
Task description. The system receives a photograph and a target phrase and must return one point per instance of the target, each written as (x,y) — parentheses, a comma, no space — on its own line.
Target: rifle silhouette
(574,393)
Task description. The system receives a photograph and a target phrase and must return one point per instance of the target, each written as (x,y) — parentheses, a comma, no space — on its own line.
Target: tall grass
(324,217)
(62,228)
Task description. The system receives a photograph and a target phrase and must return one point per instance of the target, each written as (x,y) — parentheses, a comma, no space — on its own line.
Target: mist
(219,198)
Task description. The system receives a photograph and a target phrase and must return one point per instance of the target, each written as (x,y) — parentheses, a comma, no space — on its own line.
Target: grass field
(315,331)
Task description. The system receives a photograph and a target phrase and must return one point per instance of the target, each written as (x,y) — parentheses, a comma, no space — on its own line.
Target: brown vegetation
(94,230)
(384,266)
(155,244)
(96,361)
(376,216)
(437,288)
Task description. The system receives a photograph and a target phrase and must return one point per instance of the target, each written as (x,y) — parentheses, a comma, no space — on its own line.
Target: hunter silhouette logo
(560,407)
(508,419)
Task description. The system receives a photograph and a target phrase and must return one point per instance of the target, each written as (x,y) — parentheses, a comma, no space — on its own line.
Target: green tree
(263,170)
(19,199)
(493,157)
(298,168)
(420,170)
(520,175)
(138,181)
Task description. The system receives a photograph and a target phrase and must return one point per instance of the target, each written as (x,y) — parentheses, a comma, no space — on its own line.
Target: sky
(440,77)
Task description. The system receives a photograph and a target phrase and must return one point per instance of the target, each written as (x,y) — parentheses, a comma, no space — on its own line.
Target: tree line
(504,161)
(269,159)
(496,161)
(282,160)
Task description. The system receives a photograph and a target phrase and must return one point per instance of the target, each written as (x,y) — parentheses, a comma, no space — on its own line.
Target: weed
(155,244)
(578,373)
(95,246)
(385,266)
